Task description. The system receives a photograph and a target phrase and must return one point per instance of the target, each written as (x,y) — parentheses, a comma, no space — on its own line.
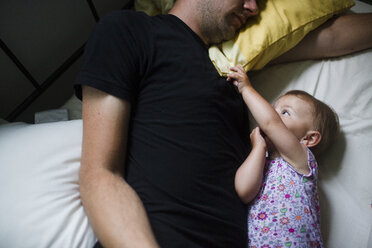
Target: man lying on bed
(164,133)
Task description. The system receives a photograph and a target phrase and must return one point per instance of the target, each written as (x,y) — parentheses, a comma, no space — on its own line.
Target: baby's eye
(285,113)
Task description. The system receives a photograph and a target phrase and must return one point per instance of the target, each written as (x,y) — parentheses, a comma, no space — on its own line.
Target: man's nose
(251,7)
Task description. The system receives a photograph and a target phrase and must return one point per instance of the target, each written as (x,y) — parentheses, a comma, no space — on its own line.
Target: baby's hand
(257,139)
(239,77)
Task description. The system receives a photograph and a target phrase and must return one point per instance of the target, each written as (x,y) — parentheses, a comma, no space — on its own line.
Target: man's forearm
(115,211)
(338,36)
(350,33)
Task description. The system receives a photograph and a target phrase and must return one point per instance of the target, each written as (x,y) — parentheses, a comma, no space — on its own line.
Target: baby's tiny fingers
(240,68)
(254,130)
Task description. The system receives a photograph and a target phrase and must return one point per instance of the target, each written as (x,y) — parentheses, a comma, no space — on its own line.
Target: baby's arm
(248,178)
(270,122)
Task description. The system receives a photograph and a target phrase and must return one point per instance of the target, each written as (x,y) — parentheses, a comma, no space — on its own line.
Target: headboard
(41,45)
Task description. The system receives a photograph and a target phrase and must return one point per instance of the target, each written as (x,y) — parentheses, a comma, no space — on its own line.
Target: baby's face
(296,113)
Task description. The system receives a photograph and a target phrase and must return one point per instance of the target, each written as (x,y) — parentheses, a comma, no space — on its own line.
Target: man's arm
(338,36)
(114,210)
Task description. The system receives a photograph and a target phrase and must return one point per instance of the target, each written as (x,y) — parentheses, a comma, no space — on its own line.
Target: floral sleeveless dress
(286,211)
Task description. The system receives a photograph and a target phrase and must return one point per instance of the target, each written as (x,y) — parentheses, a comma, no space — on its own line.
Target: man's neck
(186,11)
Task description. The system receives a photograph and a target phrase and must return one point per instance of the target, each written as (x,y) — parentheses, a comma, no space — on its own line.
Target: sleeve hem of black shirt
(101,85)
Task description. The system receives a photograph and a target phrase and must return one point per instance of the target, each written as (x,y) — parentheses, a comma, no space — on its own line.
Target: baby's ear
(311,139)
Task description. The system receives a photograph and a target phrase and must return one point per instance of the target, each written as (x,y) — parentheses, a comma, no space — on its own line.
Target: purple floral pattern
(286,211)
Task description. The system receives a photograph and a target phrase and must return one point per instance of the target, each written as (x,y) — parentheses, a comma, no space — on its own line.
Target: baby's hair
(325,120)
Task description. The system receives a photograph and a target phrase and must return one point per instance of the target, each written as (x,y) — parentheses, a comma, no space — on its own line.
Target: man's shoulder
(125,25)
(119,16)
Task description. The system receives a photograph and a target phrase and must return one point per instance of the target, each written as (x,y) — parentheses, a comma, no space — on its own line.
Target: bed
(39,163)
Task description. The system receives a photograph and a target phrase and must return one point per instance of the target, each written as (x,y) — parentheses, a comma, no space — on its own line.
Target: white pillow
(73,105)
(39,193)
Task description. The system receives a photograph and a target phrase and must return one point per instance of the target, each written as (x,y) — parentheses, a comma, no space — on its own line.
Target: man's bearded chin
(222,33)
(217,39)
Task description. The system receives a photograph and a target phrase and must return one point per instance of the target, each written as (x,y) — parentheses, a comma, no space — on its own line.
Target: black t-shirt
(188,131)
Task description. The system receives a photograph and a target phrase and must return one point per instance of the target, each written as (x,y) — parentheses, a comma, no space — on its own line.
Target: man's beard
(219,33)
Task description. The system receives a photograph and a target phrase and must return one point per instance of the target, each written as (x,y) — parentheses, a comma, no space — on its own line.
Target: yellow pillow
(280,25)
